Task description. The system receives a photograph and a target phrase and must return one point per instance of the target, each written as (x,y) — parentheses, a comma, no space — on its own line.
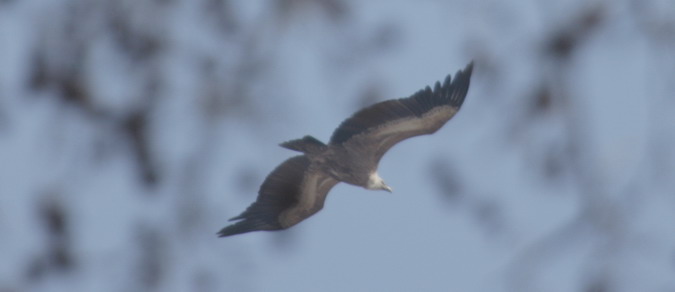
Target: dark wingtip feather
(437,87)
(246,226)
(447,81)
(459,86)
(233,229)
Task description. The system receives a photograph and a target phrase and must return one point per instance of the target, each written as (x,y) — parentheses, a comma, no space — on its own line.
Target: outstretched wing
(382,125)
(290,194)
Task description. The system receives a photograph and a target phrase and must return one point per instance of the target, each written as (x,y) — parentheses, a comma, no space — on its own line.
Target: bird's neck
(375,182)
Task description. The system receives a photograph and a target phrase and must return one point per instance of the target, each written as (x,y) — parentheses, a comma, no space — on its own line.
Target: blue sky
(225,84)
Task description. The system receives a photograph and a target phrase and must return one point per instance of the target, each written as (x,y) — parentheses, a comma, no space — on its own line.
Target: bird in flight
(297,188)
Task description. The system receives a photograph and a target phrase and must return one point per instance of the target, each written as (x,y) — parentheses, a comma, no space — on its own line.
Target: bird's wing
(384,124)
(290,194)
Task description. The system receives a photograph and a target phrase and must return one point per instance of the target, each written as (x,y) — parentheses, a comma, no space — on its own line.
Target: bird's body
(297,188)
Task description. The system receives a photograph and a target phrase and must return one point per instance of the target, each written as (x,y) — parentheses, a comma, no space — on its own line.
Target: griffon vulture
(297,188)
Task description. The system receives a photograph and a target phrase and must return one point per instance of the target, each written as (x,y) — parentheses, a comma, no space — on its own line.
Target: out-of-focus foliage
(128,128)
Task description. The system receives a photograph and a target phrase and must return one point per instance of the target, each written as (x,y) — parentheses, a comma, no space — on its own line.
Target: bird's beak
(387,188)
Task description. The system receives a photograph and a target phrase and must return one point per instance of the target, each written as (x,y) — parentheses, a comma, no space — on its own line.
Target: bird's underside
(297,188)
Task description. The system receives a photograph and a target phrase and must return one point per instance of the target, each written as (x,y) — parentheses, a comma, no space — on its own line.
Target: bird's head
(375,182)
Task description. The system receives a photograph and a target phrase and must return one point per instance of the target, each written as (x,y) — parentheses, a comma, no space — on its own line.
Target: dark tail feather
(307,144)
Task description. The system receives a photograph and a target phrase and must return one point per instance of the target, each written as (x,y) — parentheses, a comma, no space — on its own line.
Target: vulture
(297,188)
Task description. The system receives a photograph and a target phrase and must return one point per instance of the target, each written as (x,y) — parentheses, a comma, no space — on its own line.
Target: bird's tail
(307,145)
